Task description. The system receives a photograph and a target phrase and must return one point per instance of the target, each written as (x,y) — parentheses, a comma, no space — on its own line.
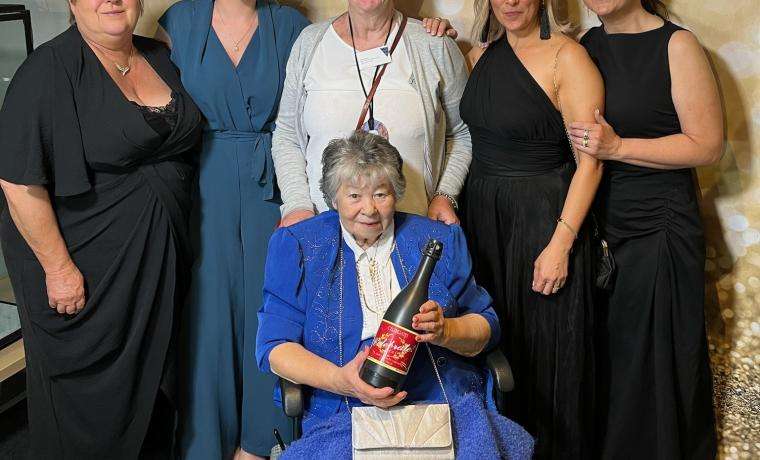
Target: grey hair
(362,155)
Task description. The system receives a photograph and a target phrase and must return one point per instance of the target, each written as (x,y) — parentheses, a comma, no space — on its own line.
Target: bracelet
(569,227)
(448,197)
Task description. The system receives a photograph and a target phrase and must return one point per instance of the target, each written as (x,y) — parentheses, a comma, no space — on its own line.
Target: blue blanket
(479,433)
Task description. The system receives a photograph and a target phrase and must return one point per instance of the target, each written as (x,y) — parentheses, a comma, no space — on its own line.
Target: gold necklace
(123,69)
(236,45)
(380,296)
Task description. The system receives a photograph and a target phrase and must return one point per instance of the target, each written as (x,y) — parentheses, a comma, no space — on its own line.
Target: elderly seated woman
(328,282)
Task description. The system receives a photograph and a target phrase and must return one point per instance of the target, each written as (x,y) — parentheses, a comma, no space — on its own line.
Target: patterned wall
(730,31)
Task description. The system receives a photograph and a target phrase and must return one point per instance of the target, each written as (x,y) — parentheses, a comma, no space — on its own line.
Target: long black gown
(655,398)
(521,170)
(120,183)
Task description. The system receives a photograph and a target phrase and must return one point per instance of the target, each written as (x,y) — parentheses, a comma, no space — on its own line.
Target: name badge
(374,57)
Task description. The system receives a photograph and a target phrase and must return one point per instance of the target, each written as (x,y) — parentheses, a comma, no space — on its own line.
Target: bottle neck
(421,279)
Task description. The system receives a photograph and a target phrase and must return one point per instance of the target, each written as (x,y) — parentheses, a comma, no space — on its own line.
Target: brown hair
(656,7)
(487,28)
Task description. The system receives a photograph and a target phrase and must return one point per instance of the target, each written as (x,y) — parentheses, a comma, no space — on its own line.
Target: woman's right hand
(439,26)
(551,267)
(350,384)
(295,217)
(596,139)
(65,289)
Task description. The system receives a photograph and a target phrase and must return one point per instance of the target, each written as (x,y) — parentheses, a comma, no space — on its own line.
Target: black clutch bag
(604,262)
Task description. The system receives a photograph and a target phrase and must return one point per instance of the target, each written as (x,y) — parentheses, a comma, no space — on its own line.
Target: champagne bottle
(395,344)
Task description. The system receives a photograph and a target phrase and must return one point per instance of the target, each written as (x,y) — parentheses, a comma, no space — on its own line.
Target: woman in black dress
(526,202)
(662,102)
(96,132)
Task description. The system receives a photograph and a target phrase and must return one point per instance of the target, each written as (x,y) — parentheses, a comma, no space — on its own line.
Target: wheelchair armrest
(501,371)
(292,398)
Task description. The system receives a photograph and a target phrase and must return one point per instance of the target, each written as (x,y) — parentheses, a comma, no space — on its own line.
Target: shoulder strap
(559,102)
(376,82)
(554,75)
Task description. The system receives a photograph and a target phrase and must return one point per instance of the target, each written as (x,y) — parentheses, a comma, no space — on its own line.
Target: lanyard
(379,72)
(371,120)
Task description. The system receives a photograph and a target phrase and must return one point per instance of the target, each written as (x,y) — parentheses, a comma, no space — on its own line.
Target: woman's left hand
(440,208)
(596,139)
(439,26)
(431,322)
(550,269)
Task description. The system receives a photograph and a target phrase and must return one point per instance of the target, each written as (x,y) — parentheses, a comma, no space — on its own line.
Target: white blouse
(378,284)
(334,101)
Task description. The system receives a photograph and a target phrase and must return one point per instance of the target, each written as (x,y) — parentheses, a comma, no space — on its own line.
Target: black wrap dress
(121,190)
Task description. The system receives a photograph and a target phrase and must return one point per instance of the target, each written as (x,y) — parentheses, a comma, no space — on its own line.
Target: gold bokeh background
(730,33)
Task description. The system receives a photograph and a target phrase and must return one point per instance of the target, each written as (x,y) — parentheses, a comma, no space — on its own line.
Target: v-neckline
(115,85)
(147,56)
(530,76)
(254,36)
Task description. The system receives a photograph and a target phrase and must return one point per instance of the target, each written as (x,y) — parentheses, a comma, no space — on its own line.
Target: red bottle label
(394,347)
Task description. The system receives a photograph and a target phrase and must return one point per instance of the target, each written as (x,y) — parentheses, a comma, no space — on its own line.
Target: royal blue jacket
(301,304)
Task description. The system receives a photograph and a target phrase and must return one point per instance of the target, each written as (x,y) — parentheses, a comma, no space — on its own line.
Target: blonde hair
(484,16)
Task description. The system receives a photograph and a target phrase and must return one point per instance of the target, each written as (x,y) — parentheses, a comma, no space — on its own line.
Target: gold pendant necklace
(123,69)
(381,299)
(101,51)
(236,45)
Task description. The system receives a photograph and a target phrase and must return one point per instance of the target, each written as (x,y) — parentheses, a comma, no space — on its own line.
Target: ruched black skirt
(654,373)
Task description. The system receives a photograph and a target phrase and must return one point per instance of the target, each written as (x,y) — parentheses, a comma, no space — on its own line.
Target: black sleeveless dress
(655,385)
(520,173)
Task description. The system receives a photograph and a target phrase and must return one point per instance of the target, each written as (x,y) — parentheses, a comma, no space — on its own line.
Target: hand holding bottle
(350,384)
(431,322)
(396,341)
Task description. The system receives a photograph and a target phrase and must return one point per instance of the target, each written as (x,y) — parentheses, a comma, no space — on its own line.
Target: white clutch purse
(420,431)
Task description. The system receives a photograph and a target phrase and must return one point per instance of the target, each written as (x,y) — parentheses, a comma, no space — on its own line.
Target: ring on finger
(585,134)
(585,142)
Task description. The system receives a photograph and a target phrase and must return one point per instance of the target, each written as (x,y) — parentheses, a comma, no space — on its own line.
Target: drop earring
(545,29)
(486,32)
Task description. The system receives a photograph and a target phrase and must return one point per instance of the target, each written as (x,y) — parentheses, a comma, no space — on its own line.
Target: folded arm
(695,96)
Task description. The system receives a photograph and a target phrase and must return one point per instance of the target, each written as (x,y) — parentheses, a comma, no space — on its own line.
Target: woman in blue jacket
(327,285)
